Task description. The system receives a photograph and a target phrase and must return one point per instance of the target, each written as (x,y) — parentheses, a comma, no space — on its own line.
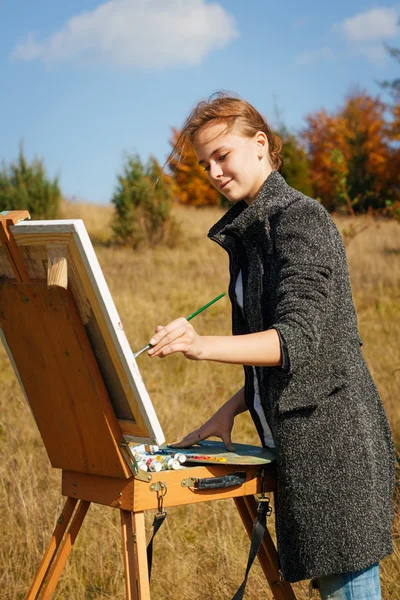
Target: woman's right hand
(220,425)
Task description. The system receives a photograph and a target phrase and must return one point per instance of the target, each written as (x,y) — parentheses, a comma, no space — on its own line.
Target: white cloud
(136,33)
(375,24)
(313,56)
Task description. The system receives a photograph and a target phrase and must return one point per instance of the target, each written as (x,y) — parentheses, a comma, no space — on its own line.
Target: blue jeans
(355,585)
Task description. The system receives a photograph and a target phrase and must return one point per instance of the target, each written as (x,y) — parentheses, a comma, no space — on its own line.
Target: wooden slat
(141,556)
(52,548)
(57,265)
(9,245)
(65,550)
(128,554)
(130,428)
(15,215)
(40,239)
(61,379)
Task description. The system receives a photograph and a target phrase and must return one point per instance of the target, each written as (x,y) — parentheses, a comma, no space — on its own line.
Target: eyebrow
(202,162)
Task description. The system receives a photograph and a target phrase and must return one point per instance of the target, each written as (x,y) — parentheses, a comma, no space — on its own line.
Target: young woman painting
(307,386)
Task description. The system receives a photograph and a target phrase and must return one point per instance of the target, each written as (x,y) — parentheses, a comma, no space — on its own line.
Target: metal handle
(213,483)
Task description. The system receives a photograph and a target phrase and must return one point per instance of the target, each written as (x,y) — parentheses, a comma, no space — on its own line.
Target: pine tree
(143,201)
(26,186)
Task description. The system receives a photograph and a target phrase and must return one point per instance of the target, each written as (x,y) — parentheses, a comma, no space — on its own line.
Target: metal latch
(263,499)
(132,464)
(161,488)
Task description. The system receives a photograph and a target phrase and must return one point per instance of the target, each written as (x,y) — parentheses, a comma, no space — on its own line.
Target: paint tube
(154,465)
(181,457)
(169,462)
(143,448)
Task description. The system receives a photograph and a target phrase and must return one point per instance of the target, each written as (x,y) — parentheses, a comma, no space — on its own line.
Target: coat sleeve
(304,255)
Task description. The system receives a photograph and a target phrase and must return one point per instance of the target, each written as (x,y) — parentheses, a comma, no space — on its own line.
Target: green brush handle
(148,346)
(205,306)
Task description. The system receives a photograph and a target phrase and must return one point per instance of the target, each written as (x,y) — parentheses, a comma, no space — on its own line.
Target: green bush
(25,186)
(295,168)
(142,206)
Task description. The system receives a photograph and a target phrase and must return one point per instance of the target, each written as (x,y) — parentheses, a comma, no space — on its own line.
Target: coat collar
(274,196)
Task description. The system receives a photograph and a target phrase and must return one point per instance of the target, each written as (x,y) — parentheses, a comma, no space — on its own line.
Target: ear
(261,144)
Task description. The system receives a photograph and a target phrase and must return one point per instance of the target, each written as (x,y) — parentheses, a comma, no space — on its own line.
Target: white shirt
(268,439)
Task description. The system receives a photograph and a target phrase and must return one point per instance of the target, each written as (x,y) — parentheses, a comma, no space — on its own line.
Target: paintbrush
(139,352)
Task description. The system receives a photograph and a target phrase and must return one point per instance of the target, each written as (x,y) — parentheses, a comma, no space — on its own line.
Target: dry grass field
(201,552)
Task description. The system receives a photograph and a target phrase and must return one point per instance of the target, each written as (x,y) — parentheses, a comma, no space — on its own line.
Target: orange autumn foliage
(192,185)
(394,132)
(358,133)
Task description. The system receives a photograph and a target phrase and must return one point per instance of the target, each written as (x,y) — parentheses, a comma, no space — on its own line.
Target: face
(236,165)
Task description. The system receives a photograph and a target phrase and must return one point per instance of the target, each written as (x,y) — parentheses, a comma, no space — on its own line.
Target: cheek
(234,167)
(212,181)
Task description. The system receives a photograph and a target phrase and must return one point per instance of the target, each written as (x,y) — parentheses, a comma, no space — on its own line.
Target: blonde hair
(223,107)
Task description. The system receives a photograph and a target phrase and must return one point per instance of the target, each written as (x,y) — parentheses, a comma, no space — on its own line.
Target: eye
(223,156)
(207,168)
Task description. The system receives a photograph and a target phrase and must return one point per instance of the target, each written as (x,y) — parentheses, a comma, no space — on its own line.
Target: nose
(215,170)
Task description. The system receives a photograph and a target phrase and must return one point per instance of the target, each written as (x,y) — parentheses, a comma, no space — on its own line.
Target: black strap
(257,535)
(158,521)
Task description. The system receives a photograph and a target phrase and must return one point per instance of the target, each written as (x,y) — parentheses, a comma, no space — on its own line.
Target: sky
(85,82)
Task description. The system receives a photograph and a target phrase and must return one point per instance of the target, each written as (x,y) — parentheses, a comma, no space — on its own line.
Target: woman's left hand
(177,336)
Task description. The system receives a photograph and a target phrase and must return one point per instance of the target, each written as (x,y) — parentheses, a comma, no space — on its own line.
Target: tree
(358,131)
(192,185)
(143,201)
(393,87)
(295,168)
(26,186)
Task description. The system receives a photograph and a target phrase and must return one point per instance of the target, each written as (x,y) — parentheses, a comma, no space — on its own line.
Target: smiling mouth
(224,184)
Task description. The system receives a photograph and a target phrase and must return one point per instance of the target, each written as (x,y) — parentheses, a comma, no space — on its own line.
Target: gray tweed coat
(335,454)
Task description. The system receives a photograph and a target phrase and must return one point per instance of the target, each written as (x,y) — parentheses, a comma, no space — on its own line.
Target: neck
(266,172)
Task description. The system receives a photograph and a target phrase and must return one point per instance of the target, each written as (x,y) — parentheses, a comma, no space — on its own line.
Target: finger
(226,438)
(170,348)
(189,440)
(158,328)
(161,333)
(166,338)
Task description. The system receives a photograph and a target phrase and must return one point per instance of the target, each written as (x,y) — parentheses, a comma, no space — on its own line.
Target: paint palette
(210,452)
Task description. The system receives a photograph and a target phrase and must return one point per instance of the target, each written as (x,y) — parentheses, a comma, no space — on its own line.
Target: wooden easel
(43,332)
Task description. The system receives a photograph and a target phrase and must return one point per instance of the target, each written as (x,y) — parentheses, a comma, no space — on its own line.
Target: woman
(307,385)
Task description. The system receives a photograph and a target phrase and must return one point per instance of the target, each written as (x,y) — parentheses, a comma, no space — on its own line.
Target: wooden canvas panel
(129,398)
(60,377)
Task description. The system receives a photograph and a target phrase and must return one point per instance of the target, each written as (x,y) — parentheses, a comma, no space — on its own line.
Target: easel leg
(65,549)
(267,555)
(128,552)
(137,583)
(52,548)
(141,549)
